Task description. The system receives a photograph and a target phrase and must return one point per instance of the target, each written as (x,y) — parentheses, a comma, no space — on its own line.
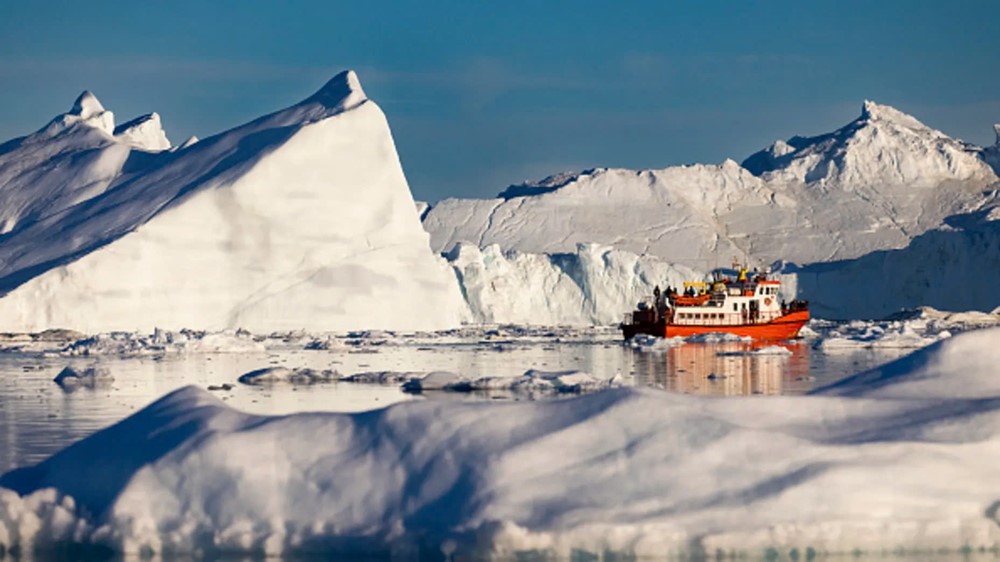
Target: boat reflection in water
(726,369)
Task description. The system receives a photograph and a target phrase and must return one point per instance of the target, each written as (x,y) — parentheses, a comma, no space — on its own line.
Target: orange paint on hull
(782,328)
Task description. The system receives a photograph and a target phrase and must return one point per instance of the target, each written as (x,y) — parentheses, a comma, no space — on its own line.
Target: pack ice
(901,459)
(298,219)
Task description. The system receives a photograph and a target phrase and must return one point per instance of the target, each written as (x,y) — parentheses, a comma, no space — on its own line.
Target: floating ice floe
(770,350)
(717,337)
(438,380)
(271,375)
(645,342)
(382,377)
(905,463)
(531,382)
(164,341)
(72,378)
(890,334)
(906,329)
(562,382)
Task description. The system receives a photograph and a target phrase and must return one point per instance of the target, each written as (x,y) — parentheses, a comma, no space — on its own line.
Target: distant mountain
(882,147)
(872,185)
(298,219)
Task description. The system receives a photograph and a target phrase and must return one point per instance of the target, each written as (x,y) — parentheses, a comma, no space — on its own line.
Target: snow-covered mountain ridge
(872,185)
(298,219)
(884,146)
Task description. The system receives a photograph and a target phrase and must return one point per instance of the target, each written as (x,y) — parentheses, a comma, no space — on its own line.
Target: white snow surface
(301,219)
(872,185)
(906,463)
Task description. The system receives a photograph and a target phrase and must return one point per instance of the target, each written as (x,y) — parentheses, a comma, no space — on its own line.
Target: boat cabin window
(736,307)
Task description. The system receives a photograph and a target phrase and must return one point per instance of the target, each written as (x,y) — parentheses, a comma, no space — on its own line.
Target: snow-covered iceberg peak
(301,219)
(882,147)
(341,93)
(87,109)
(144,132)
(873,112)
(86,105)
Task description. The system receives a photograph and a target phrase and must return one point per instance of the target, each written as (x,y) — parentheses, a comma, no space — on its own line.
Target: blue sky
(480,95)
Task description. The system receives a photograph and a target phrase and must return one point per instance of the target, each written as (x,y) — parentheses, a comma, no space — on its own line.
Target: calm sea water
(38,418)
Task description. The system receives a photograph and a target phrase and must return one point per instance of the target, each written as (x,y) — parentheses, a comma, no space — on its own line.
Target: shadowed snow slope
(955,267)
(871,185)
(633,471)
(73,158)
(299,219)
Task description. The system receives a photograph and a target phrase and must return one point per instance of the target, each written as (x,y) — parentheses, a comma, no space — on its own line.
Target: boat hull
(783,327)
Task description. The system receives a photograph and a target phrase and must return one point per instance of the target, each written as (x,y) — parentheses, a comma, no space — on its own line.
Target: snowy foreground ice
(902,458)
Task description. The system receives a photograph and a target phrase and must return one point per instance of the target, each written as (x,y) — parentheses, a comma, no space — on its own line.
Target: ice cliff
(592,285)
(298,219)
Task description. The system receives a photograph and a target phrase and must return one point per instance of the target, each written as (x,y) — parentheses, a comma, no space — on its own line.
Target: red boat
(747,307)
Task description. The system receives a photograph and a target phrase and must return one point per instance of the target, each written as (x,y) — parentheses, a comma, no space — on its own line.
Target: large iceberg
(885,212)
(871,185)
(299,219)
(906,463)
